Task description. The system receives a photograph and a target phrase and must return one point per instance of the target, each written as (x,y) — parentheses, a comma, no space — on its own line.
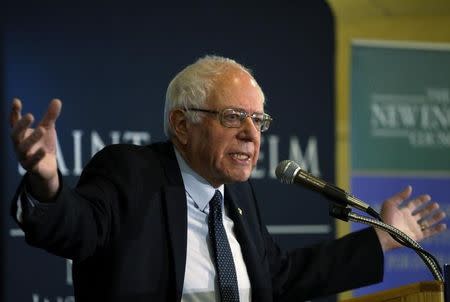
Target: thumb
(400,196)
(53,111)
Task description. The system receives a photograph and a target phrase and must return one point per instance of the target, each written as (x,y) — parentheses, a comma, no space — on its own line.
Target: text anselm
(74,153)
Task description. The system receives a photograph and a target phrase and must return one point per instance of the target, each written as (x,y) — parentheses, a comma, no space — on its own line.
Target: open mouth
(240,156)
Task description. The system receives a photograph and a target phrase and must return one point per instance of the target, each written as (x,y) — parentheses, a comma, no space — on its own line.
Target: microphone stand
(346,214)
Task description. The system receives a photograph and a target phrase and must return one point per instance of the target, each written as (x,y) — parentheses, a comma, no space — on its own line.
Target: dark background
(111,62)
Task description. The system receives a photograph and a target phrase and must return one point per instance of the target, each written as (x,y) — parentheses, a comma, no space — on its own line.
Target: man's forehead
(234,82)
(239,100)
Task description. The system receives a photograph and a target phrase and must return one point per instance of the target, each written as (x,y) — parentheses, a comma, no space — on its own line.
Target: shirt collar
(196,186)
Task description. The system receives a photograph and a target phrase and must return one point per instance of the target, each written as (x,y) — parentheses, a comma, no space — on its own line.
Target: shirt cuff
(27,197)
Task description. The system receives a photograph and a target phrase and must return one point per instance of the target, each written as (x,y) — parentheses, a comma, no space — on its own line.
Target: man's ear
(178,124)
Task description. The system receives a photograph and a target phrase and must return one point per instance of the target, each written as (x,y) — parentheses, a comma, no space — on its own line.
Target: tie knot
(216,200)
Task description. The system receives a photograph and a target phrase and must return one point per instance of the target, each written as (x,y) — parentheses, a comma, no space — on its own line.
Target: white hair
(192,86)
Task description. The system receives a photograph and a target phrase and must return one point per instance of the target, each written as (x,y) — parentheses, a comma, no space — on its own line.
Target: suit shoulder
(125,161)
(131,151)
(128,156)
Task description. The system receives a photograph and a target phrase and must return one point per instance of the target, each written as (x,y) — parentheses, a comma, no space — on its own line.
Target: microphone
(288,172)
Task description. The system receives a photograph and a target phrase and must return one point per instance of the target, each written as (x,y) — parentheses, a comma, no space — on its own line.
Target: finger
(439,228)
(427,210)
(53,111)
(26,145)
(16,110)
(432,221)
(20,127)
(436,217)
(400,196)
(32,160)
(417,202)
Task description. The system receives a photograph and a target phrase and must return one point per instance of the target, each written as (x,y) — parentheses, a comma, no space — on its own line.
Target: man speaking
(178,220)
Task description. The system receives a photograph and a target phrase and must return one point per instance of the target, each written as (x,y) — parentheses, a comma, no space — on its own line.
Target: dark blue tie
(226,273)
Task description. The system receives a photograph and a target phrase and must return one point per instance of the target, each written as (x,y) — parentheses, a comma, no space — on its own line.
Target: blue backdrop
(110,63)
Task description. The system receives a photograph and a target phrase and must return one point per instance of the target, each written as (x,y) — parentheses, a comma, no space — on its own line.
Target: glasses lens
(231,118)
(258,120)
(264,126)
(265,123)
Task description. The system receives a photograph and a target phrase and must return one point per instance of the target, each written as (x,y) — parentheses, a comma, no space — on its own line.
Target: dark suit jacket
(125,227)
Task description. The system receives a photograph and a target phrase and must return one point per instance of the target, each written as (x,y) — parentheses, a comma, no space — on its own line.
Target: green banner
(400,104)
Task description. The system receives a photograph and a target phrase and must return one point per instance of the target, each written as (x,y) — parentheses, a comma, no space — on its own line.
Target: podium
(432,291)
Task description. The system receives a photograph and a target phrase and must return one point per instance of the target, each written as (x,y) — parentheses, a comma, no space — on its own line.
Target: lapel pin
(239,211)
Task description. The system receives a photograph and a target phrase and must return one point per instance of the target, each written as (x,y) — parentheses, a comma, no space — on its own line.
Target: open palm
(419,218)
(36,147)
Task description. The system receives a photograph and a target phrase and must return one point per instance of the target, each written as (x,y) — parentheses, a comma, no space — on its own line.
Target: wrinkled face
(220,154)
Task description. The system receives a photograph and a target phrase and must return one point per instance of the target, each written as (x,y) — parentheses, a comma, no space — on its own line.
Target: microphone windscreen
(286,171)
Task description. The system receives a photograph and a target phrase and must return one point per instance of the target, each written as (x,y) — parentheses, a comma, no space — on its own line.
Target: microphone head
(286,171)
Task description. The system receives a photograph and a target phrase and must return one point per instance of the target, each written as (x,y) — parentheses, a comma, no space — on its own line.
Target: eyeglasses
(233,118)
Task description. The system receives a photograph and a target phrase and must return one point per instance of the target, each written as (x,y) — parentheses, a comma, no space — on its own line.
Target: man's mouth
(240,156)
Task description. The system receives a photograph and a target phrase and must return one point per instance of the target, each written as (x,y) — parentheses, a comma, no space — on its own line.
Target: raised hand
(36,148)
(419,218)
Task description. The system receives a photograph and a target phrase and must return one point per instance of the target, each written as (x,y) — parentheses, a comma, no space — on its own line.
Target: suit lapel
(238,211)
(176,211)
(177,226)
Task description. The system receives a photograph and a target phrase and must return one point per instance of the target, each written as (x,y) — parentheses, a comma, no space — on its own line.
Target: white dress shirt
(200,274)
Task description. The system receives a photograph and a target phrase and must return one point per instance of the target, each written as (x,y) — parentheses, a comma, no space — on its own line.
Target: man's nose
(249,129)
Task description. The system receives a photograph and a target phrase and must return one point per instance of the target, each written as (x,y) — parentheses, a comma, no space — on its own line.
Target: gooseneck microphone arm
(346,214)
(290,172)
